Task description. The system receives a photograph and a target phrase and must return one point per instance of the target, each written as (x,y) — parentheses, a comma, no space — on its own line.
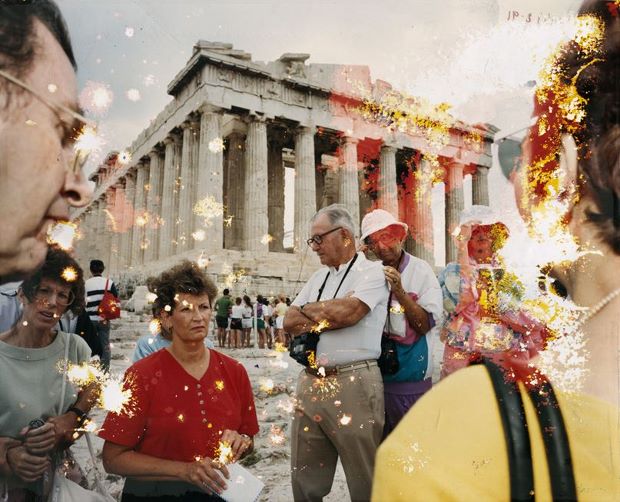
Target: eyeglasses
(318,239)
(45,294)
(387,240)
(81,154)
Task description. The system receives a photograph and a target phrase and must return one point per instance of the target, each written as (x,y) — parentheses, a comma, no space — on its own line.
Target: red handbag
(110,306)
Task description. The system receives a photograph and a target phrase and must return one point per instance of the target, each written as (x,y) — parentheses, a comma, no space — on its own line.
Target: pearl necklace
(600,306)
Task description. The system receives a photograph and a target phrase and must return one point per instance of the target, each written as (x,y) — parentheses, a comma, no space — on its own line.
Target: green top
(222,306)
(32,381)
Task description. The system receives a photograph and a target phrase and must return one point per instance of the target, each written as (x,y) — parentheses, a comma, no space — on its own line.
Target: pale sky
(477,55)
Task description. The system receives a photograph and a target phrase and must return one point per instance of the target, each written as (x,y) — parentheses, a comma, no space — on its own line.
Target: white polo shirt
(361,341)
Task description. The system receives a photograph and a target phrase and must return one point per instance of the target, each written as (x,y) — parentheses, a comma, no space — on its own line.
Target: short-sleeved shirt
(177,417)
(31,381)
(267,311)
(237,312)
(364,281)
(414,351)
(222,306)
(281,309)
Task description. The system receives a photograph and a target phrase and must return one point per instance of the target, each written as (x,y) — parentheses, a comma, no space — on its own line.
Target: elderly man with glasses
(339,409)
(40,169)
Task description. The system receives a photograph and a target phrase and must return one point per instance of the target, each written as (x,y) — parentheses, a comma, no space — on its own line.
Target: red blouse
(174,416)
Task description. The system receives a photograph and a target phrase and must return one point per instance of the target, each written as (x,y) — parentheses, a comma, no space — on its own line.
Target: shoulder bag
(110,306)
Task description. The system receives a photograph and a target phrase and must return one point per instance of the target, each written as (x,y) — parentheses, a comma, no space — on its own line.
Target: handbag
(63,489)
(110,306)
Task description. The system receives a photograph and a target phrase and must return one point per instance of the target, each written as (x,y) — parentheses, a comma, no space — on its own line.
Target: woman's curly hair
(597,79)
(186,277)
(59,266)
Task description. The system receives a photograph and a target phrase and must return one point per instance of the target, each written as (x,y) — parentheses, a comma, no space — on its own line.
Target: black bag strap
(553,429)
(555,439)
(517,438)
(318,298)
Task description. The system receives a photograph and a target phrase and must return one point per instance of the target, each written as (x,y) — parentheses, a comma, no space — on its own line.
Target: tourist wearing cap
(482,300)
(415,308)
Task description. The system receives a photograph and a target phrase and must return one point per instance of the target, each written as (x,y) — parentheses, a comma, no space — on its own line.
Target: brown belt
(341,368)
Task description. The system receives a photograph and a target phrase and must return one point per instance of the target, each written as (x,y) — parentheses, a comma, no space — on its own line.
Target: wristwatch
(81,415)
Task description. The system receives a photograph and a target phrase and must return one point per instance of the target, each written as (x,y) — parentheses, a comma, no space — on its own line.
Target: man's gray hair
(338,216)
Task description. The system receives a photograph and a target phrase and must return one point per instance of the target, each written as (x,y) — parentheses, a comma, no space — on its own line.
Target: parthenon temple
(206,179)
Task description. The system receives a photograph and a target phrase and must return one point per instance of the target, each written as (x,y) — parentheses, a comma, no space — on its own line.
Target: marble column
(275,174)
(210,180)
(305,185)
(387,180)
(454,205)
(94,231)
(128,220)
(421,223)
(153,206)
(167,232)
(178,155)
(102,229)
(255,218)
(116,197)
(480,186)
(89,231)
(185,190)
(331,187)
(234,191)
(139,201)
(194,168)
(349,184)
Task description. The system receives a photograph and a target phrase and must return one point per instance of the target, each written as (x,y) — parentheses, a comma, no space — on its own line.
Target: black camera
(388,360)
(302,348)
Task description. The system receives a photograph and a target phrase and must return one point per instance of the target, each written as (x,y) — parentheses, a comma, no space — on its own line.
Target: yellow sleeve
(450,446)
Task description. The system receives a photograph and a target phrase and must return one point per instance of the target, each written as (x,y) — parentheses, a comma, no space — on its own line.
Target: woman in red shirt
(187,403)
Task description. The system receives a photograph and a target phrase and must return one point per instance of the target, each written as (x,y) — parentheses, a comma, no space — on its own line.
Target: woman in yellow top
(451,445)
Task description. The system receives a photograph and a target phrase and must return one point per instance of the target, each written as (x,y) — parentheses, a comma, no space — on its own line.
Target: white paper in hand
(243,486)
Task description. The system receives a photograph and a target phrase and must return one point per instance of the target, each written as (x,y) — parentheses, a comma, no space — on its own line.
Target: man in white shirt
(95,289)
(339,410)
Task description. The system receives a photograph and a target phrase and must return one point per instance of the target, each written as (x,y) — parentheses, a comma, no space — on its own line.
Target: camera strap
(318,298)
(389,303)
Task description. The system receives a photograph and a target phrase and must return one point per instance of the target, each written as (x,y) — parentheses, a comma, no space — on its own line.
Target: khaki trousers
(337,416)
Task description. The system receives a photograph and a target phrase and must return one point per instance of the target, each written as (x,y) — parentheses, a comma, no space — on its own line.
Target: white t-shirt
(361,341)
(418,277)
(237,311)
